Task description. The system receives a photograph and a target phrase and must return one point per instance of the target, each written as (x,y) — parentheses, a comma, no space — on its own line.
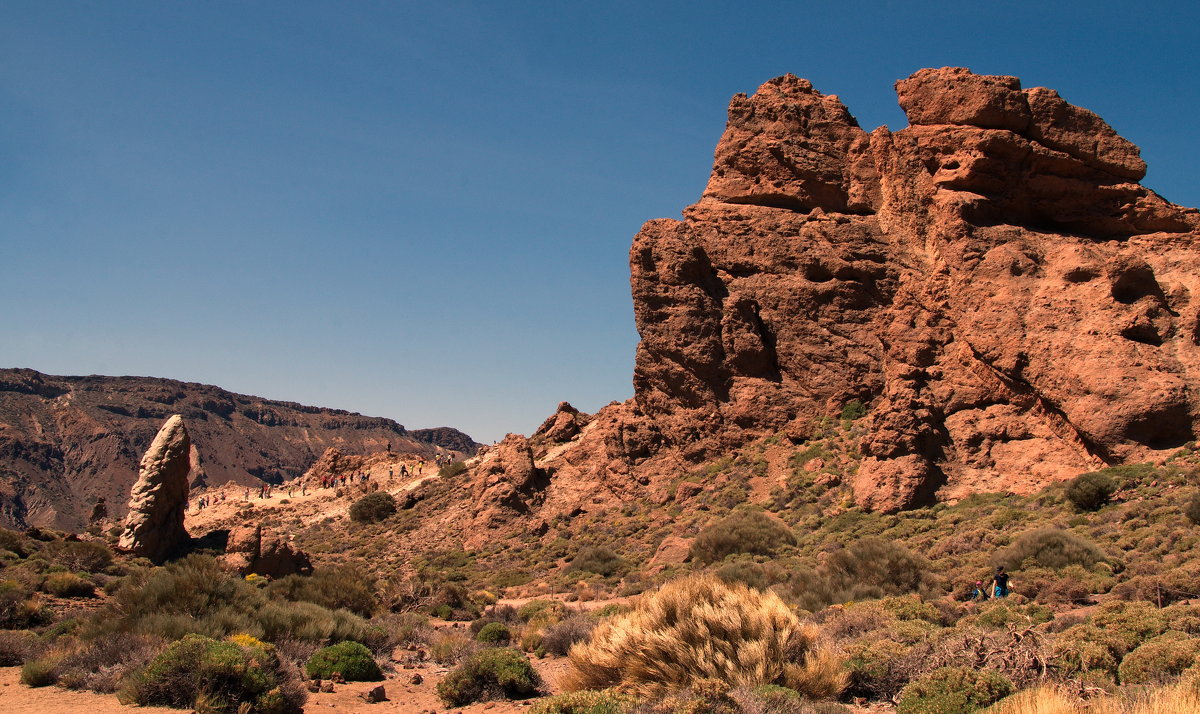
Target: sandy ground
(404,697)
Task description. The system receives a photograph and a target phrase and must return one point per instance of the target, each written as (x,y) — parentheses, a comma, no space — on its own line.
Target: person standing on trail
(1000,583)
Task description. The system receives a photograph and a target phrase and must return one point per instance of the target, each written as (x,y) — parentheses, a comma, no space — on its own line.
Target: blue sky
(423,210)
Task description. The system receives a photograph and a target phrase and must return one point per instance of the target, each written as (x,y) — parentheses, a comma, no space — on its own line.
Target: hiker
(978,593)
(1000,583)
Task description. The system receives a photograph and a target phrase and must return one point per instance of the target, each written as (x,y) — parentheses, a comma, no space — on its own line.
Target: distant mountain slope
(67,441)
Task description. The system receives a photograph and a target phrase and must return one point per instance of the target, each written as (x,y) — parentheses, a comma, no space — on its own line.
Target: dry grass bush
(493,673)
(19,606)
(16,646)
(1050,548)
(449,647)
(557,639)
(584,702)
(1182,698)
(694,629)
(1021,654)
(100,665)
(406,629)
(741,532)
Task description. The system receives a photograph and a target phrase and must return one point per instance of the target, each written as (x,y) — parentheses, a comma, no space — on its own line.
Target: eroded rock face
(505,483)
(154,524)
(992,281)
(254,549)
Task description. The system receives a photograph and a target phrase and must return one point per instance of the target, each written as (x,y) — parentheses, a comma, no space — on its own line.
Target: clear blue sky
(423,210)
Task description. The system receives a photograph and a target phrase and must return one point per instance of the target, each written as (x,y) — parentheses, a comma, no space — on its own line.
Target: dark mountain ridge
(66,442)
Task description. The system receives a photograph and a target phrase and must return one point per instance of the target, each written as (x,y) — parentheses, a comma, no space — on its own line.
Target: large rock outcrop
(154,525)
(66,441)
(992,281)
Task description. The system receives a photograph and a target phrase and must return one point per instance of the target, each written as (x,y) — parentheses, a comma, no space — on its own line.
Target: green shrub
(541,611)
(493,673)
(451,469)
(876,667)
(373,507)
(868,568)
(1192,509)
(759,576)
(216,676)
(953,690)
(1081,649)
(1090,491)
(40,672)
(78,556)
(741,532)
(14,542)
(1050,548)
(854,409)
(18,609)
(347,587)
(494,633)
(68,585)
(586,702)
(1125,625)
(598,560)
(350,659)
(1160,660)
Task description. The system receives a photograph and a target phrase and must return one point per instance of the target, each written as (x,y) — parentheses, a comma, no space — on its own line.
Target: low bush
(216,676)
(454,468)
(1160,660)
(494,673)
(494,633)
(868,568)
(759,576)
(373,507)
(541,611)
(1050,548)
(1090,491)
(697,628)
(598,560)
(1125,625)
(350,659)
(100,664)
(1192,509)
(16,646)
(741,532)
(346,587)
(1081,649)
(586,702)
(558,638)
(450,647)
(78,556)
(68,585)
(19,608)
(877,667)
(961,690)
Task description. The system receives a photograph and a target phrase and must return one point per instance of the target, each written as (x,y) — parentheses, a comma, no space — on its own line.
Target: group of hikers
(206,501)
(998,588)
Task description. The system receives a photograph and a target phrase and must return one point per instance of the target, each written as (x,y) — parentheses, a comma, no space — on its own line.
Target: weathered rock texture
(154,525)
(255,549)
(992,281)
(67,441)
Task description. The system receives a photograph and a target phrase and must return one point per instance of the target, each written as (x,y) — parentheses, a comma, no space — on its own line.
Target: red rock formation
(992,281)
(254,549)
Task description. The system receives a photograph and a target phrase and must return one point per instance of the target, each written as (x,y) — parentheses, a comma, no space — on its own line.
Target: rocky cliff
(992,281)
(67,441)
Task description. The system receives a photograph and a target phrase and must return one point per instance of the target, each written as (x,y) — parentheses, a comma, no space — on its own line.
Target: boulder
(255,549)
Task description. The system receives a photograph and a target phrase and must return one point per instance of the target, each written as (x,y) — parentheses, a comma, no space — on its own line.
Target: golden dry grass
(701,628)
(1181,698)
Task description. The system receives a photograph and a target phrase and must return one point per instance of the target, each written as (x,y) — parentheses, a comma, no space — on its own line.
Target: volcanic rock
(505,483)
(154,524)
(255,549)
(991,281)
